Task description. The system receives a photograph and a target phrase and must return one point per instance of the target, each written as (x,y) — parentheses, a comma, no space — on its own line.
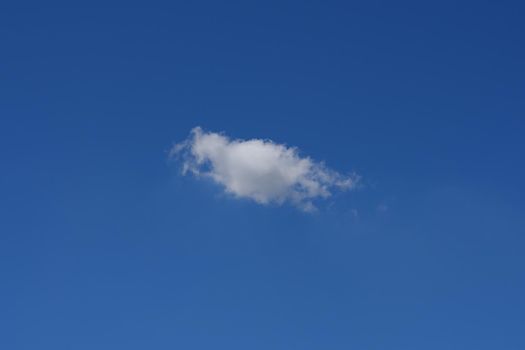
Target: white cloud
(261,170)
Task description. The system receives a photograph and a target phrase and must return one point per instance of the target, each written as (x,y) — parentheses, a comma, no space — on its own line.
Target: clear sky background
(104,245)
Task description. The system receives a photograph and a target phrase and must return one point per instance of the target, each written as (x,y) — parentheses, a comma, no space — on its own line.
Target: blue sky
(105,244)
